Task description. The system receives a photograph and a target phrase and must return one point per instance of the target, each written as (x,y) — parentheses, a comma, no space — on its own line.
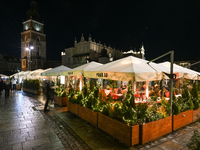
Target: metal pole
(171,80)
(29,58)
(171,74)
(192,64)
(159,57)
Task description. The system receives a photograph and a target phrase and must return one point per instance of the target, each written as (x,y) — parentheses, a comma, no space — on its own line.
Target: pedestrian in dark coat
(7,88)
(1,85)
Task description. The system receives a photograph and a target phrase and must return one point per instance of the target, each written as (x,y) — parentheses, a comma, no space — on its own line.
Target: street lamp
(29,48)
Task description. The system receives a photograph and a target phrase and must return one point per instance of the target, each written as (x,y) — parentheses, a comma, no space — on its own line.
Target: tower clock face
(26,26)
(37,27)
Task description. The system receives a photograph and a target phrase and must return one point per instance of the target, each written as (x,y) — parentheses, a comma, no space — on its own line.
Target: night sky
(161,25)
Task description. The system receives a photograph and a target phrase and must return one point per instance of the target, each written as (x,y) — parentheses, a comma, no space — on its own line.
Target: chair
(116,90)
(167,94)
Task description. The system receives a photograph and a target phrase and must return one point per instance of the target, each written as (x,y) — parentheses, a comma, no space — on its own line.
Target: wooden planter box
(129,135)
(194,115)
(31,91)
(153,130)
(88,115)
(182,119)
(72,107)
(61,101)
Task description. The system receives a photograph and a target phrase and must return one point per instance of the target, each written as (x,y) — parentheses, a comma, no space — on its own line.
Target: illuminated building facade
(88,50)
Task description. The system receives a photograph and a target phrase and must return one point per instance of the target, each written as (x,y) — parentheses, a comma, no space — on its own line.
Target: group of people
(7,85)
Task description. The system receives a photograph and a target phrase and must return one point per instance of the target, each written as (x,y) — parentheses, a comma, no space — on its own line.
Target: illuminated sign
(70,73)
(102,74)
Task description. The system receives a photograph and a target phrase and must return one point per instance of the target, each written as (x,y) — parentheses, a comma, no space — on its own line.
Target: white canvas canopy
(180,71)
(128,68)
(20,74)
(34,74)
(78,71)
(57,71)
(4,76)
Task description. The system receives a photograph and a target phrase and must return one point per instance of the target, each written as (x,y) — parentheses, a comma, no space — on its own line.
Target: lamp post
(29,48)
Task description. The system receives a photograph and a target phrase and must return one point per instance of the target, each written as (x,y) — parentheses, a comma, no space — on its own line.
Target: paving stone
(155,148)
(54,146)
(53,138)
(8,147)
(15,141)
(169,145)
(182,141)
(37,142)
(17,146)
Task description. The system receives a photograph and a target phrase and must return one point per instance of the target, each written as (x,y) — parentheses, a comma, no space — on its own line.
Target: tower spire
(89,38)
(142,50)
(33,13)
(82,37)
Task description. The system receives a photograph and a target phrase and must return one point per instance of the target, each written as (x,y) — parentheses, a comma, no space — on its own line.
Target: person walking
(1,85)
(7,87)
(13,81)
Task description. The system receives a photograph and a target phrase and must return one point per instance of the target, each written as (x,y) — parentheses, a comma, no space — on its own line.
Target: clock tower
(33,41)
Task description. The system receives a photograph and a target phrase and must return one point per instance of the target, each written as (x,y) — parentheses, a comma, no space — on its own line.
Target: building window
(23,62)
(38,39)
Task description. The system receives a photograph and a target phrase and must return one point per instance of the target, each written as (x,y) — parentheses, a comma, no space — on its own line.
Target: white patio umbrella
(32,74)
(125,69)
(57,71)
(180,71)
(79,71)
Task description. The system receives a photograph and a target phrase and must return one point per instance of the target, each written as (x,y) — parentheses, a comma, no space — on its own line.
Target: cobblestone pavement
(24,125)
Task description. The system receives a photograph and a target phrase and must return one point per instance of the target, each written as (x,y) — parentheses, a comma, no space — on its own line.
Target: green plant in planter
(166,105)
(129,114)
(154,98)
(183,103)
(155,112)
(115,111)
(176,107)
(195,96)
(194,143)
(71,92)
(77,97)
(141,113)
(90,97)
(61,91)
(85,89)
(33,84)
(187,101)
(105,109)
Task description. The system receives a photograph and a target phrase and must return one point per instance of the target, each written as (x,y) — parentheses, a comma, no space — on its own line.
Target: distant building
(33,41)
(192,64)
(52,64)
(9,64)
(86,51)
(139,54)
